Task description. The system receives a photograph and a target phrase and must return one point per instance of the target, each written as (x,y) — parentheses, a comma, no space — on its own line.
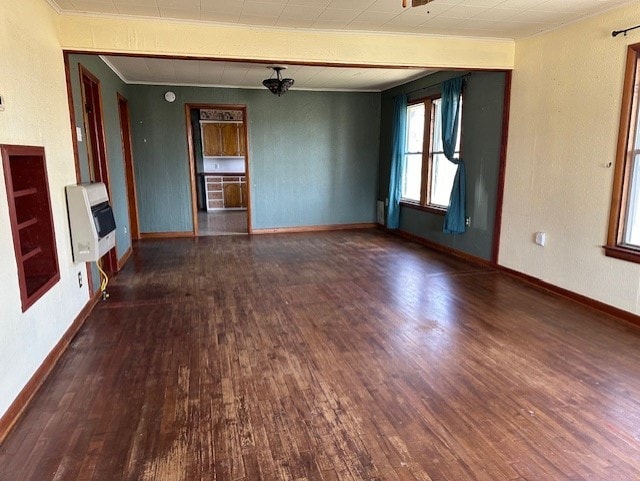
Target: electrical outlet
(1,103)
(80,279)
(126,229)
(467,221)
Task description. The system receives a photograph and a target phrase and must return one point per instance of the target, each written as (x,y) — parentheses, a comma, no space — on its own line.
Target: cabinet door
(230,139)
(240,138)
(232,195)
(243,195)
(211,140)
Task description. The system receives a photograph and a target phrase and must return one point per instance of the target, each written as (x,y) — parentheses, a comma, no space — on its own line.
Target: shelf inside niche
(31,220)
(24,192)
(31,253)
(27,223)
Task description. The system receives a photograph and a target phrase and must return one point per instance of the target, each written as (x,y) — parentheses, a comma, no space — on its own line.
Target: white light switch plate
(79,134)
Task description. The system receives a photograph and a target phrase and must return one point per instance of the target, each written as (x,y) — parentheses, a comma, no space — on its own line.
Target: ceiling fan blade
(418,3)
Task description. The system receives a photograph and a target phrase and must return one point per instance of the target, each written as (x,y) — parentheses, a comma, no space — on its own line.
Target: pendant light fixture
(278,85)
(416,3)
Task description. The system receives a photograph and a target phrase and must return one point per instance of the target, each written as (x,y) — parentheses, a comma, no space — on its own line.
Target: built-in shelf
(27,223)
(25,175)
(23,192)
(32,253)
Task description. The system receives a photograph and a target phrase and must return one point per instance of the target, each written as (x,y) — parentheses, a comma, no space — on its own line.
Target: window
(31,221)
(428,174)
(623,239)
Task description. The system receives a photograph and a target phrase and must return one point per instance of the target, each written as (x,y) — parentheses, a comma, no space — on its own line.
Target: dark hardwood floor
(332,356)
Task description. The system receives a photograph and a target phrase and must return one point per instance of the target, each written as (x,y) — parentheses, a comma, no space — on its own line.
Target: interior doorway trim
(129,170)
(93,119)
(192,160)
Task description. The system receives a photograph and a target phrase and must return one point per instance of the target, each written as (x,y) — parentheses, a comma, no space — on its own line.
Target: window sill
(424,208)
(621,252)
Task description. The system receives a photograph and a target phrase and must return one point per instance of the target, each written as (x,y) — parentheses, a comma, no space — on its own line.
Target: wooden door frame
(76,155)
(129,170)
(103,162)
(192,161)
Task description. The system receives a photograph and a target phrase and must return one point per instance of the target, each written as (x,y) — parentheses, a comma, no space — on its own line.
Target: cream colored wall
(565,109)
(32,84)
(197,39)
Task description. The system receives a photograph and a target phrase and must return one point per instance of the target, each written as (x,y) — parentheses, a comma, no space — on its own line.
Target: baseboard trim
(165,235)
(534,281)
(440,248)
(314,228)
(574,296)
(18,406)
(125,257)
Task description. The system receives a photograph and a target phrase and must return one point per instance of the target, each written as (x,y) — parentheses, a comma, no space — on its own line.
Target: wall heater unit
(93,228)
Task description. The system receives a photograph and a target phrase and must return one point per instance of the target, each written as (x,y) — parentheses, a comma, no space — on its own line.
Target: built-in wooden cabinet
(223,139)
(232,195)
(225,192)
(34,241)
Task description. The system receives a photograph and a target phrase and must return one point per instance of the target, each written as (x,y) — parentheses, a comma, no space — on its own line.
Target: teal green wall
(313,155)
(110,86)
(483,99)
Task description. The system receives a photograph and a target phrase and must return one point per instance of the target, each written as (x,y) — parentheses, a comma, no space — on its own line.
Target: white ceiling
(166,71)
(476,18)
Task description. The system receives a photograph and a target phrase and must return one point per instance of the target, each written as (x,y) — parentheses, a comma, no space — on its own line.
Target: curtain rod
(618,32)
(433,85)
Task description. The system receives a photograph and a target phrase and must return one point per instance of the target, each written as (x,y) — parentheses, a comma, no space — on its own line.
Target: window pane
(412,175)
(415,128)
(632,224)
(436,131)
(436,128)
(443,172)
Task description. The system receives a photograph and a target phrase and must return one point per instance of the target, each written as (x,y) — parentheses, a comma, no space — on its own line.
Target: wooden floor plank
(331,356)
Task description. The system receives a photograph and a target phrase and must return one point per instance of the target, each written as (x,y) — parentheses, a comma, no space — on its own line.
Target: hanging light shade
(278,85)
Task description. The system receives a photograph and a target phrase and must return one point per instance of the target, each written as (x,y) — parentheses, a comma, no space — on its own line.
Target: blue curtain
(397,160)
(454,220)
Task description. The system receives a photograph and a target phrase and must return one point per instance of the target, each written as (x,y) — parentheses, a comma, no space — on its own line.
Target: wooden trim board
(574,296)
(440,248)
(534,281)
(129,169)
(125,257)
(166,235)
(497,226)
(276,61)
(74,137)
(19,405)
(314,228)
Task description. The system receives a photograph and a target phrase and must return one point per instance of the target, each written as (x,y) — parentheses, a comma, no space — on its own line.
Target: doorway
(96,146)
(127,154)
(219,163)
